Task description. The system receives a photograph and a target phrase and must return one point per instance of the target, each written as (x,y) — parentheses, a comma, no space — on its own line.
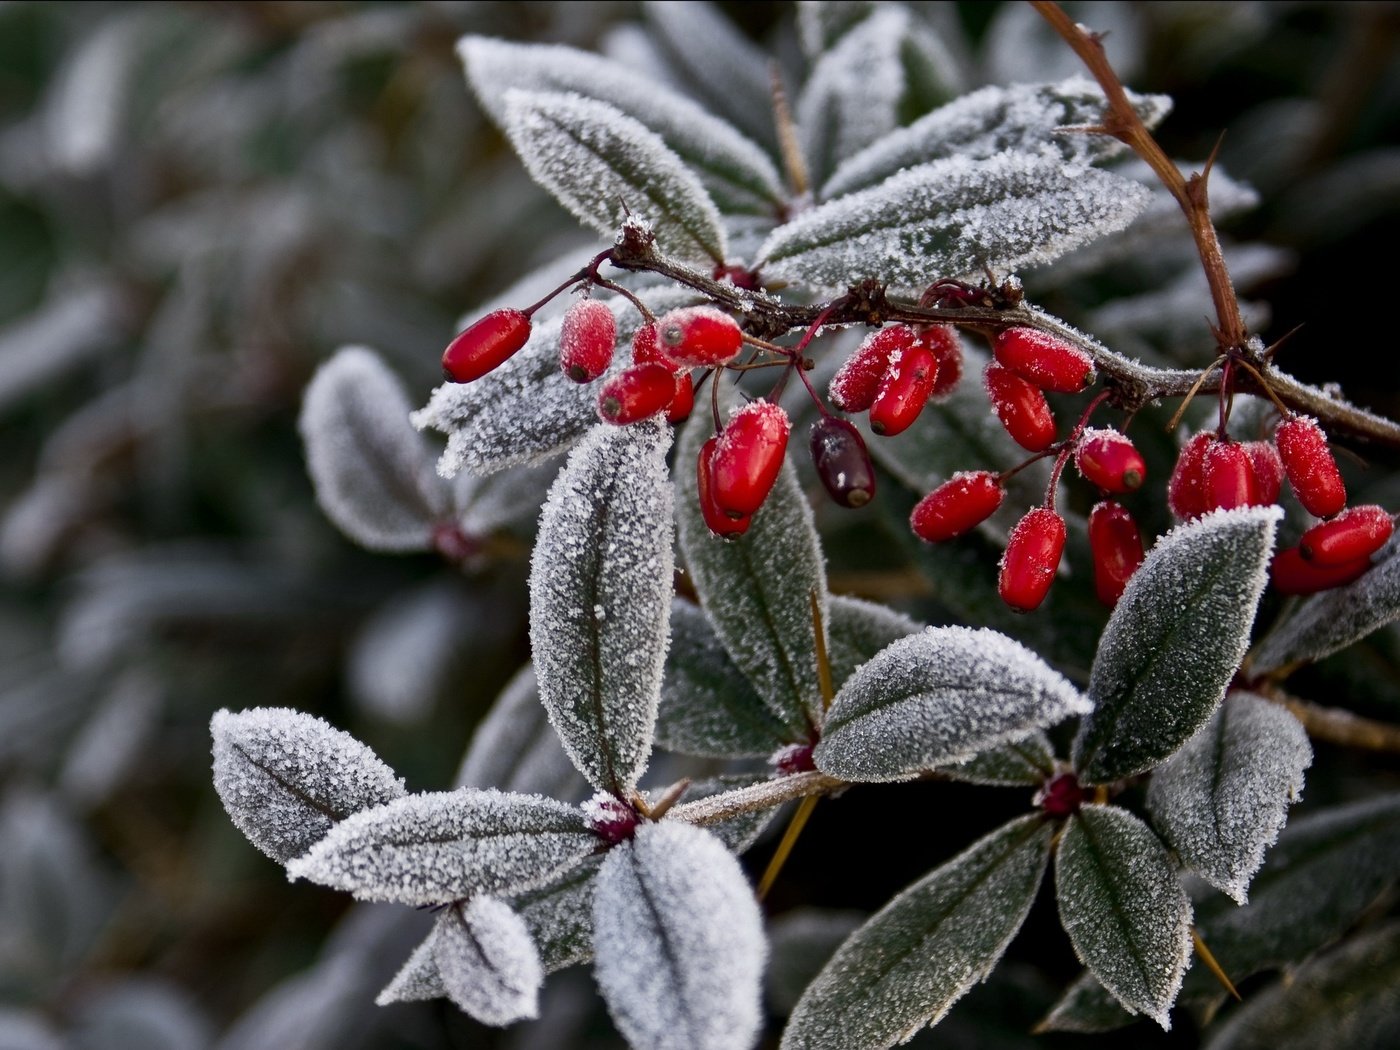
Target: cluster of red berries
(895,372)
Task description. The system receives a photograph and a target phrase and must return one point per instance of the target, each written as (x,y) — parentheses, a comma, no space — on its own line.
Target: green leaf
(560,916)
(1087,1007)
(858,630)
(1174,641)
(603,165)
(1123,908)
(922,951)
(1026,762)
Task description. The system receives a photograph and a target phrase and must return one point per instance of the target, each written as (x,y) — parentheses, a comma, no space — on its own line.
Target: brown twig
(763,795)
(1334,725)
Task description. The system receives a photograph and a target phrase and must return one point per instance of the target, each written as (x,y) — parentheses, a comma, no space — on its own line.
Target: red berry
(960,503)
(1357,532)
(1045,360)
(1293,574)
(736,275)
(698,337)
(1186,488)
(1310,467)
(1108,459)
(1031,558)
(1116,545)
(942,342)
(857,381)
(637,392)
(1227,476)
(1021,407)
(485,344)
(610,818)
(684,400)
(1268,471)
(748,457)
(716,520)
(838,452)
(904,391)
(645,348)
(1060,796)
(586,340)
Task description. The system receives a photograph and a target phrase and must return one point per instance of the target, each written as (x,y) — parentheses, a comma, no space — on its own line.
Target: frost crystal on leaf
(418,978)
(600,600)
(860,629)
(1025,762)
(515,748)
(286,778)
(678,941)
(1123,908)
(1221,800)
(445,846)
(936,697)
(560,916)
(487,961)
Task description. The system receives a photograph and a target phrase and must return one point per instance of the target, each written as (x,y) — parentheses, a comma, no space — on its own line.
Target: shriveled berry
(1108,459)
(586,340)
(1116,545)
(684,400)
(1268,471)
(1291,573)
(1357,532)
(942,341)
(1186,488)
(748,457)
(1060,796)
(485,344)
(904,391)
(1031,558)
(962,502)
(716,520)
(698,337)
(1227,476)
(1310,467)
(637,392)
(842,462)
(1021,407)
(857,381)
(1043,359)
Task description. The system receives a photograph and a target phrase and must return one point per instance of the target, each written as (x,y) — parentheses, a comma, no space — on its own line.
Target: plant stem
(1334,725)
(764,795)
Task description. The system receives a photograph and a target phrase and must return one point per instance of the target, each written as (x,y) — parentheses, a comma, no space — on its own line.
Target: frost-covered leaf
(447,845)
(487,961)
(799,944)
(1221,800)
(858,630)
(1023,762)
(286,777)
(603,165)
(919,954)
(1018,117)
(600,600)
(937,697)
(951,217)
(1332,620)
(418,978)
(1086,1007)
(1174,641)
(1123,908)
(678,941)
(736,171)
(1018,40)
(373,474)
(515,748)
(708,707)
(821,23)
(756,588)
(560,916)
(69,328)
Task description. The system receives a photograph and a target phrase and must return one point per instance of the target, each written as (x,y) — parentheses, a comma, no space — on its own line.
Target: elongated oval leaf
(679,942)
(859,630)
(922,951)
(1174,641)
(487,961)
(1123,908)
(286,778)
(600,600)
(417,979)
(938,697)
(603,165)
(515,748)
(951,217)
(560,915)
(1025,762)
(444,846)
(1221,800)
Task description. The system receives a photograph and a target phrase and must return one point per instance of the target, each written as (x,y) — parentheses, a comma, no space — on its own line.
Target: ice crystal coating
(937,697)
(1123,908)
(418,978)
(951,217)
(372,473)
(286,778)
(678,940)
(927,947)
(446,845)
(560,916)
(487,961)
(1174,641)
(515,749)
(1221,800)
(1025,762)
(600,600)
(603,166)
(858,630)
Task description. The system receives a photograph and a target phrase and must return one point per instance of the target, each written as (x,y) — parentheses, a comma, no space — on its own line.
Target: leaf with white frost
(1174,641)
(678,940)
(514,747)
(949,218)
(560,915)
(1087,1007)
(938,697)
(418,978)
(286,777)
(600,600)
(487,961)
(1026,762)
(736,171)
(926,948)
(603,165)
(858,630)
(1221,800)
(821,23)
(800,942)
(372,473)
(1123,908)
(447,845)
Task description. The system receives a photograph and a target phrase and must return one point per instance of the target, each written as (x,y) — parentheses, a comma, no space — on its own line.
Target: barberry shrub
(692,650)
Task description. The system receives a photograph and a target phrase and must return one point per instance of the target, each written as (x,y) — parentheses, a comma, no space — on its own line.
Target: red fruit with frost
(1268,471)
(748,457)
(1108,459)
(942,341)
(611,819)
(684,400)
(716,520)
(586,340)
(485,344)
(636,393)
(1043,359)
(857,381)
(645,348)
(1227,476)
(698,337)
(962,502)
(1186,488)
(1291,573)
(842,462)
(1357,532)
(1310,467)
(1116,546)
(1031,558)
(1021,407)
(904,391)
